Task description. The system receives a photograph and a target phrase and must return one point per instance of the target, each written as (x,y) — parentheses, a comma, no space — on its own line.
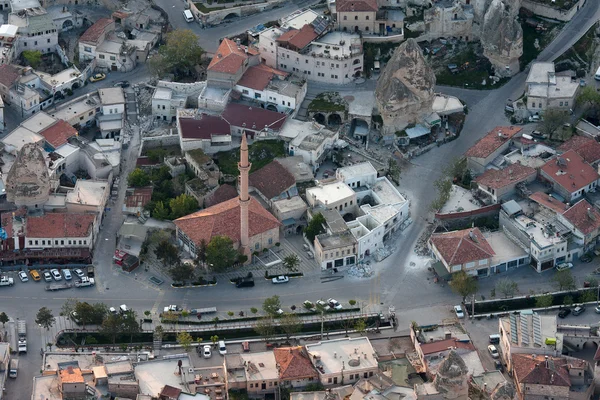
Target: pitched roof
(93,33)
(138,197)
(229,57)
(293,363)
(204,127)
(442,345)
(460,247)
(356,5)
(272,179)
(258,77)
(58,134)
(492,141)
(59,225)
(224,219)
(535,370)
(254,118)
(71,375)
(549,202)
(496,179)
(299,38)
(8,75)
(586,147)
(223,193)
(584,216)
(570,171)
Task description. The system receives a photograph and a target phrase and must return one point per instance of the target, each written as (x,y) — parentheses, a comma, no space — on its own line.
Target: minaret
(244,168)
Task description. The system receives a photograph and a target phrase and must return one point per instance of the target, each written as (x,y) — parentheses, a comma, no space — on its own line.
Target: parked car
(308,304)
(56,274)
(245,283)
(323,304)
(23,276)
(35,275)
(459,312)
(47,276)
(123,84)
(67,274)
(498,365)
(97,77)
(79,273)
(597,309)
(281,279)
(579,309)
(586,258)
(222,348)
(563,266)
(493,351)
(206,353)
(333,303)
(564,312)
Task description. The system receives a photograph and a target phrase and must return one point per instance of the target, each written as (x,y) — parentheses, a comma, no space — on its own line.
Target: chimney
(546,361)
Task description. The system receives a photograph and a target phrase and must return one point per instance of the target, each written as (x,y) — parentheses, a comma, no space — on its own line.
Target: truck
(14,368)
(85,281)
(22,333)
(6,281)
(90,271)
(58,286)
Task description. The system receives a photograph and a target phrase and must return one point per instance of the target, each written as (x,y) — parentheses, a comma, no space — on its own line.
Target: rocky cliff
(405,88)
(28,182)
(502,36)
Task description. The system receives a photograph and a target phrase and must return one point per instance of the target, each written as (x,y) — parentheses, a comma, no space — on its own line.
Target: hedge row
(529,302)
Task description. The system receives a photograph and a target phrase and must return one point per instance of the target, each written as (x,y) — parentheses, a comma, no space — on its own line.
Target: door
(263,386)
(113,67)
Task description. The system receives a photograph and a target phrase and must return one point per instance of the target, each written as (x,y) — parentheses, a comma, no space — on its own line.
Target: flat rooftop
(19,137)
(329,193)
(298,19)
(386,192)
(334,355)
(46,387)
(38,122)
(110,46)
(336,240)
(78,106)
(356,170)
(162,93)
(382,212)
(362,103)
(261,366)
(291,204)
(110,96)
(536,231)
(154,375)
(504,248)
(84,361)
(296,166)
(460,200)
(66,75)
(352,45)
(88,192)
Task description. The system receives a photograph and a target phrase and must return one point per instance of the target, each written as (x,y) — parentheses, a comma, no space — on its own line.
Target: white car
(222,348)
(563,266)
(56,274)
(67,274)
(323,304)
(493,351)
(23,276)
(79,273)
(333,303)
(459,312)
(47,276)
(281,279)
(206,353)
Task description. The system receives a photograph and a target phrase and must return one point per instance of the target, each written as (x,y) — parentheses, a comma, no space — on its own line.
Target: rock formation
(451,379)
(405,88)
(502,36)
(28,182)
(504,391)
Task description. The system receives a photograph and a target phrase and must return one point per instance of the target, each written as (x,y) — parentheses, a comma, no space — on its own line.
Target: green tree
(568,300)
(315,227)
(463,284)
(182,205)
(112,326)
(68,308)
(45,318)
(290,324)
(179,55)
(265,327)
(181,272)
(271,305)
(100,310)
(507,287)
(589,96)
(291,262)
(553,119)
(3,318)
(360,326)
(159,332)
(85,313)
(458,170)
(443,187)
(394,170)
(253,310)
(138,178)
(564,280)
(214,339)
(160,211)
(543,301)
(131,325)
(33,57)
(592,280)
(220,253)
(185,340)
(167,253)
(587,297)
(201,250)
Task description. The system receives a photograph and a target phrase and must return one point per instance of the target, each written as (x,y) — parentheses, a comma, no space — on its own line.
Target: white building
(112,120)
(109,52)
(8,43)
(36,30)
(332,196)
(309,140)
(67,79)
(336,57)
(60,230)
(546,89)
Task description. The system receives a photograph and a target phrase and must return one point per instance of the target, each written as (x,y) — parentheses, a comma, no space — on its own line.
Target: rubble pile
(144,98)
(361,271)
(382,253)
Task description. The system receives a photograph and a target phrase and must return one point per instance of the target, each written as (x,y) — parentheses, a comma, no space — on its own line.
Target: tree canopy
(271,305)
(182,205)
(179,55)
(315,227)
(220,253)
(138,178)
(33,57)
(45,318)
(463,284)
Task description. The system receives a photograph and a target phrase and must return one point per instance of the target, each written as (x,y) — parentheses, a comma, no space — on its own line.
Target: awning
(441,270)
(417,131)
(511,207)
(289,222)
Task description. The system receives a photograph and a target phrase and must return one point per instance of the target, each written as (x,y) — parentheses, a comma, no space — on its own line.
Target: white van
(187,14)
(597,76)
(222,348)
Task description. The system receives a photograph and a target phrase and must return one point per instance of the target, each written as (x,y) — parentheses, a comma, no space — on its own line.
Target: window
(56,242)
(90,113)
(566,103)
(356,17)
(112,58)
(329,380)
(30,242)
(367,28)
(345,17)
(81,118)
(365,375)
(251,385)
(80,242)
(367,17)
(270,240)
(560,104)
(35,42)
(540,105)
(245,91)
(25,44)
(532,105)
(87,49)
(256,246)
(43,242)
(48,40)
(62,242)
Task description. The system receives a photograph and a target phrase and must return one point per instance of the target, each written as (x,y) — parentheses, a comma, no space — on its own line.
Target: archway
(360,127)
(334,120)
(357,61)
(230,16)
(75,86)
(319,118)
(68,24)
(271,107)
(357,74)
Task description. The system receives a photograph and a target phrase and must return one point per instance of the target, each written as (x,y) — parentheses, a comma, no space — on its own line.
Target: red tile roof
(145,161)
(442,345)
(229,58)
(204,127)
(94,32)
(549,202)
(584,216)
(299,38)
(170,392)
(259,77)
(272,179)
(492,141)
(586,147)
(458,247)
(254,118)
(224,219)
(534,370)
(8,75)
(293,363)
(138,197)
(497,179)
(59,225)
(58,134)
(570,171)
(356,5)
(223,193)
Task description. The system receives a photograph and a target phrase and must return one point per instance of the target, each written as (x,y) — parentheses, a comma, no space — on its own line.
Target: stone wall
(160,141)
(548,11)
(216,17)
